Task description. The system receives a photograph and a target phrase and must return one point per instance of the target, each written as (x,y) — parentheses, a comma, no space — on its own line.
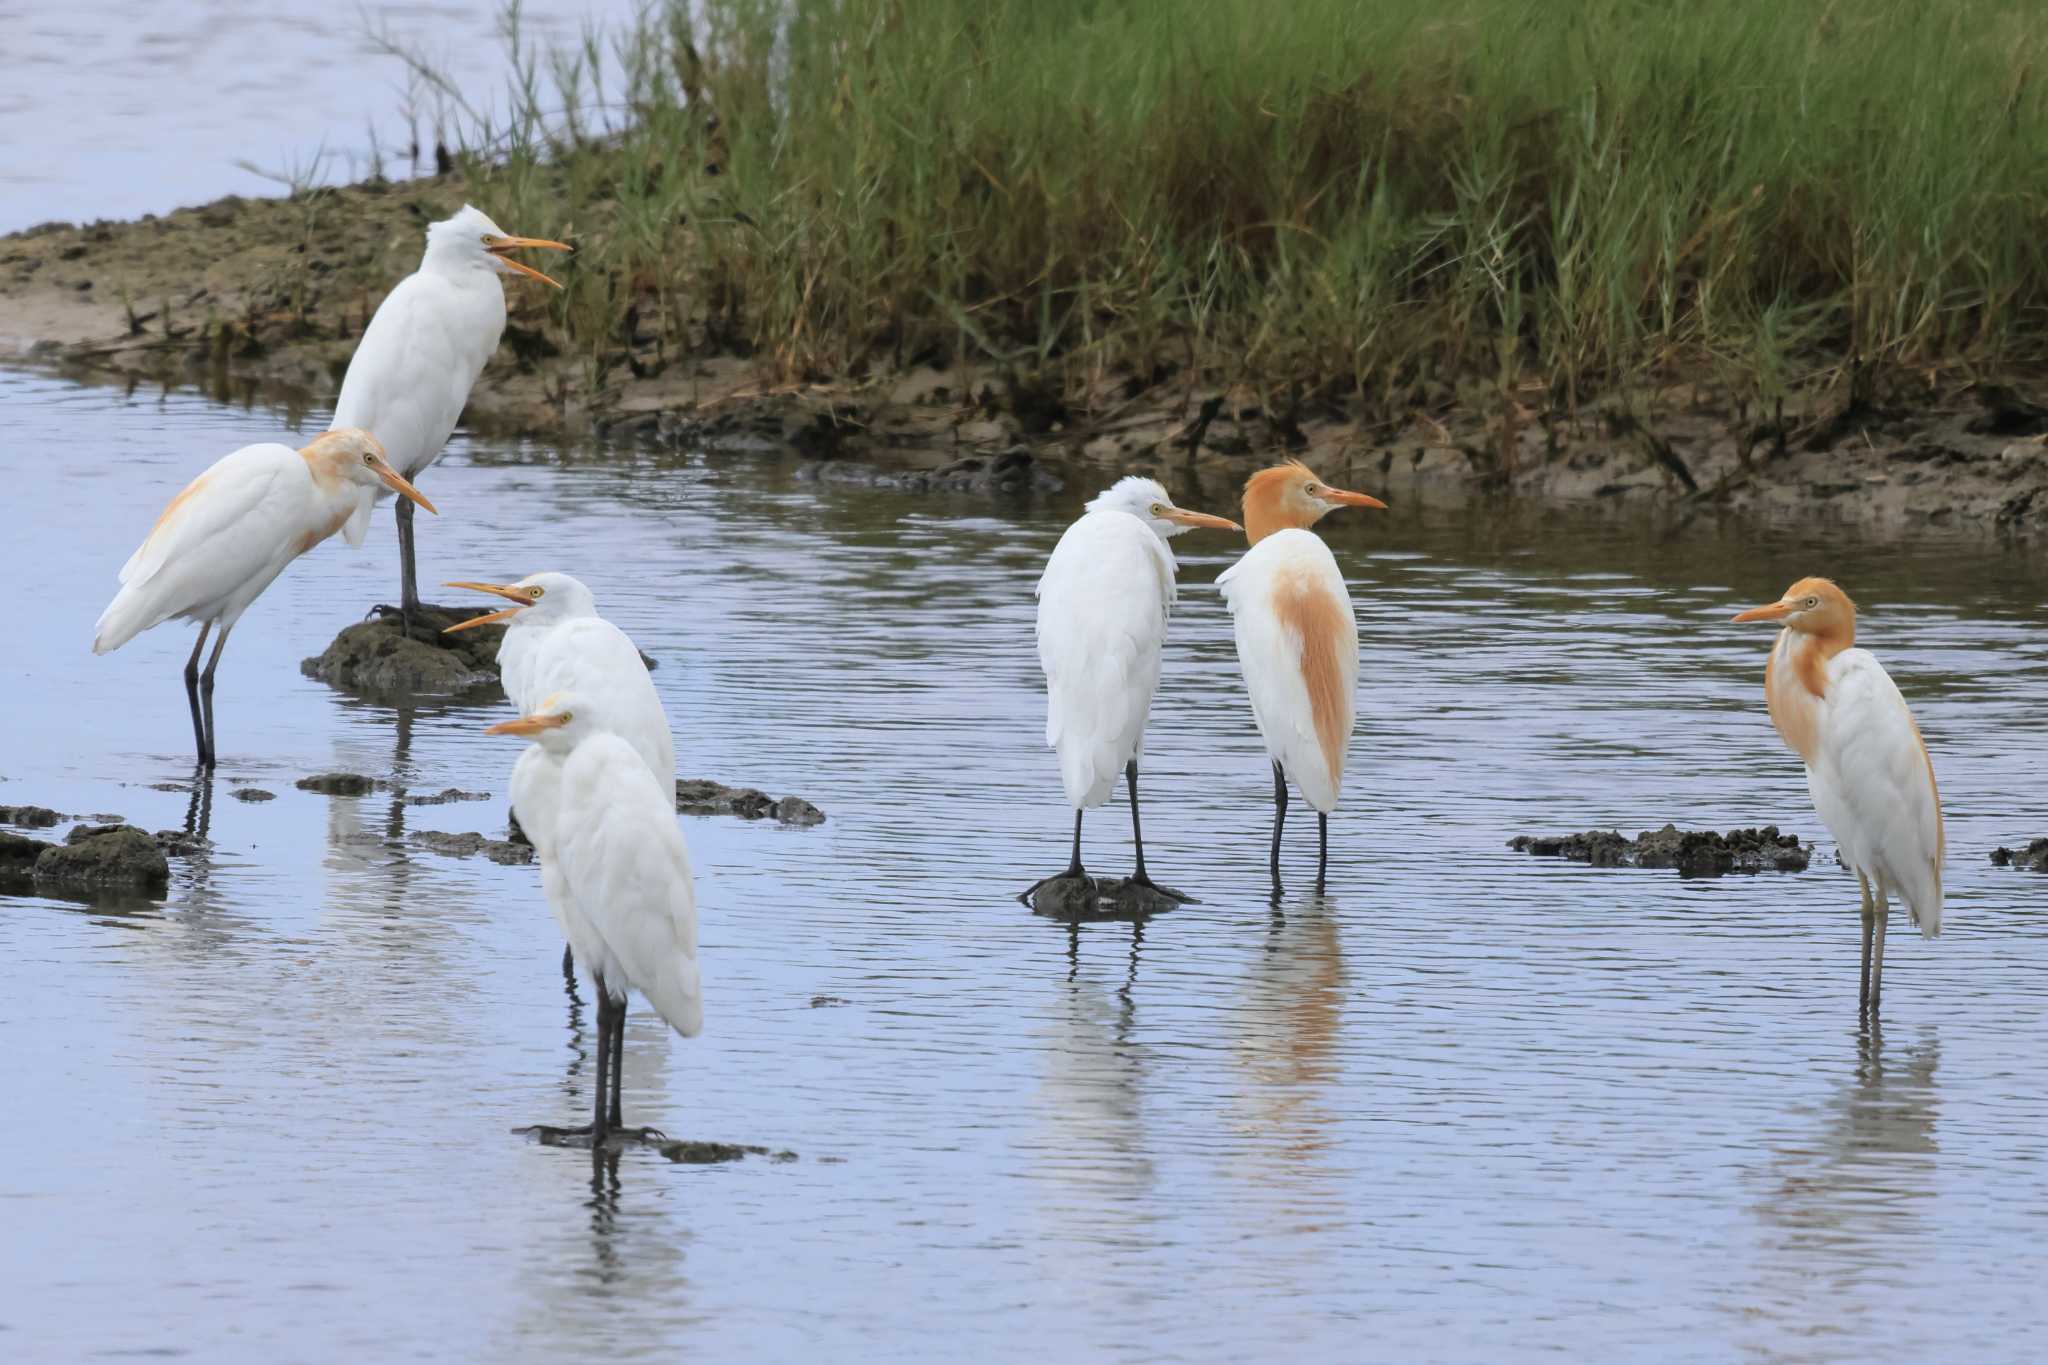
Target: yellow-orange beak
(400,486)
(1353,499)
(506,590)
(1771,611)
(519,599)
(527,725)
(501,247)
(1184,517)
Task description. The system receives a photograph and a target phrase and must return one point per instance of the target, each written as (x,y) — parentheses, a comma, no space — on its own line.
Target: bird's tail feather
(126,617)
(677,995)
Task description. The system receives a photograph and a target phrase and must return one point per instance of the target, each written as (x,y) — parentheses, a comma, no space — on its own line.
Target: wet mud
(2032,858)
(701,796)
(29,817)
(1692,853)
(1015,470)
(91,858)
(469,845)
(1090,899)
(380,659)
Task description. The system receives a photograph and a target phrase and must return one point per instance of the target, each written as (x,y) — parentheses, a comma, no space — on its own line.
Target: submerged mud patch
(2032,858)
(701,796)
(470,844)
(379,658)
(1088,898)
(1693,853)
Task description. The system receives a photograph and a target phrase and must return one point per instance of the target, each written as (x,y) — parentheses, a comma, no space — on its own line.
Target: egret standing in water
(231,532)
(616,874)
(423,350)
(1297,640)
(1866,765)
(1103,603)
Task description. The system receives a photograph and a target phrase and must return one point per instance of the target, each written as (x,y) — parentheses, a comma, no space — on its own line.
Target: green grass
(1377,202)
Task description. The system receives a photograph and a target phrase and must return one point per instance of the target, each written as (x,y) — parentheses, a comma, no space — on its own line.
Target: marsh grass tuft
(1378,205)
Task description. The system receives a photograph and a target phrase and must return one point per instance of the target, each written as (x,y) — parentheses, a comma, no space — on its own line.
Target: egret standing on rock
(1297,640)
(1103,603)
(616,874)
(233,530)
(423,350)
(1868,770)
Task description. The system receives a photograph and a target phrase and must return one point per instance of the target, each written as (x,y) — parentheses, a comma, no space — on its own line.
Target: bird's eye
(1157,510)
(1309,489)
(1811,603)
(568,716)
(369,459)
(535,593)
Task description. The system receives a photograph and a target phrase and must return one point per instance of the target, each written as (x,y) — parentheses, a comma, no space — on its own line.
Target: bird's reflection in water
(1288,1049)
(1095,1159)
(1844,1205)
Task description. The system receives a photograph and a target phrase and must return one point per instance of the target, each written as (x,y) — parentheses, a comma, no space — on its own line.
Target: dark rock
(177,843)
(29,817)
(253,794)
(2032,858)
(1013,471)
(705,1153)
(337,784)
(1100,898)
(377,657)
(469,845)
(819,1002)
(18,854)
(1693,853)
(444,797)
(701,796)
(105,856)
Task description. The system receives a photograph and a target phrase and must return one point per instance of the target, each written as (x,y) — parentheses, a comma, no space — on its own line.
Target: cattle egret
(616,874)
(1868,770)
(1103,604)
(1296,640)
(412,372)
(233,530)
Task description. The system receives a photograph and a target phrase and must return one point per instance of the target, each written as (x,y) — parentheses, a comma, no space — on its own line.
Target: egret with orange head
(1866,765)
(231,532)
(1297,640)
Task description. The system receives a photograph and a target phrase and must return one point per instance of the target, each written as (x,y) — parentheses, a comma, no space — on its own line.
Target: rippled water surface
(1465,1105)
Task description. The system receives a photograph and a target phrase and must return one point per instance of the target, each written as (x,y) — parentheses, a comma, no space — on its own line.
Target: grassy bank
(1325,199)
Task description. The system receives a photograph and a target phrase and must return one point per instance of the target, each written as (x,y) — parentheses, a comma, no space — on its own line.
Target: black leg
(1279,817)
(600,1114)
(206,693)
(408,587)
(569,962)
(1322,846)
(618,1059)
(1074,863)
(1869,930)
(192,692)
(1137,833)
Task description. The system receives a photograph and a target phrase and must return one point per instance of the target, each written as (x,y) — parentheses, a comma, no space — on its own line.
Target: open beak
(508,591)
(399,486)
(1338,495)
(1772,611)
(525,725)
(501,247)
(520,601)
(1184,517)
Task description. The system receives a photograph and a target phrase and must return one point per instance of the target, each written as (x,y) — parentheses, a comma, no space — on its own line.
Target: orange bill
(489,618)
(1184,517)
(526,725)
(1770,611)
(403,488)
(1353,499)
(501,247)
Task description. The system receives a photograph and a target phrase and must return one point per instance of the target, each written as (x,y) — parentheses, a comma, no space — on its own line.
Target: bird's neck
(1264,516)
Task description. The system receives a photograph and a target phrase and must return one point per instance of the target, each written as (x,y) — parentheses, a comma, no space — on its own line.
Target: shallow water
(1466,1105)
(123,107)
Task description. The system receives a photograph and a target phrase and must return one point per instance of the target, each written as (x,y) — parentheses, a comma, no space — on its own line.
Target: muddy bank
(240,293)
(1693,853)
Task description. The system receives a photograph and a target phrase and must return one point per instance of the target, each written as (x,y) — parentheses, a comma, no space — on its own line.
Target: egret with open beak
(422,352)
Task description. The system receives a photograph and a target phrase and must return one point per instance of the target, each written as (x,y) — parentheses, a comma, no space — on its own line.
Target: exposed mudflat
(243,294)
(1694,853)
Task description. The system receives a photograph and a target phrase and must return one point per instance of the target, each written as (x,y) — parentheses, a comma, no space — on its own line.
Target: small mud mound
(252,794)
(117,857)
(701,796)
(705,1153)
(443,797)
(29,817)
(2032,858)
(1100,898)
(1693,852)
(337,784)
(469,845)
(377,658)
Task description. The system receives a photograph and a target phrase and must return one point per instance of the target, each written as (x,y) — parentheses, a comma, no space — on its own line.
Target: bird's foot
(1146,884)
(548,1135)
(1070,887)
(584,1137)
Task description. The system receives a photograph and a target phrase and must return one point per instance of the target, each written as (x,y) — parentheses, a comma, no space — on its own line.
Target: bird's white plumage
(426,344)
(1103,604)
(1283,568)
(226,538)
(561,644)
(1870,777)
(621,857)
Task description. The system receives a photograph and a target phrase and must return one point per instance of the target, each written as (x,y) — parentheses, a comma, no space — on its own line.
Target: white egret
(232,531)
(426,344)
(1297,640)
(1866,765)
(1103,604)
(616,873)
(556,642)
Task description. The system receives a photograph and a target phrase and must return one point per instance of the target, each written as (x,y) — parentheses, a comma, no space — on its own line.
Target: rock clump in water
(1012,471)
(379,658)
(337,784)
(92,857)
(252,794)
(701,796)
(469,845)
(1692,852)
(2032,858)
(1100,898)
(29,817)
